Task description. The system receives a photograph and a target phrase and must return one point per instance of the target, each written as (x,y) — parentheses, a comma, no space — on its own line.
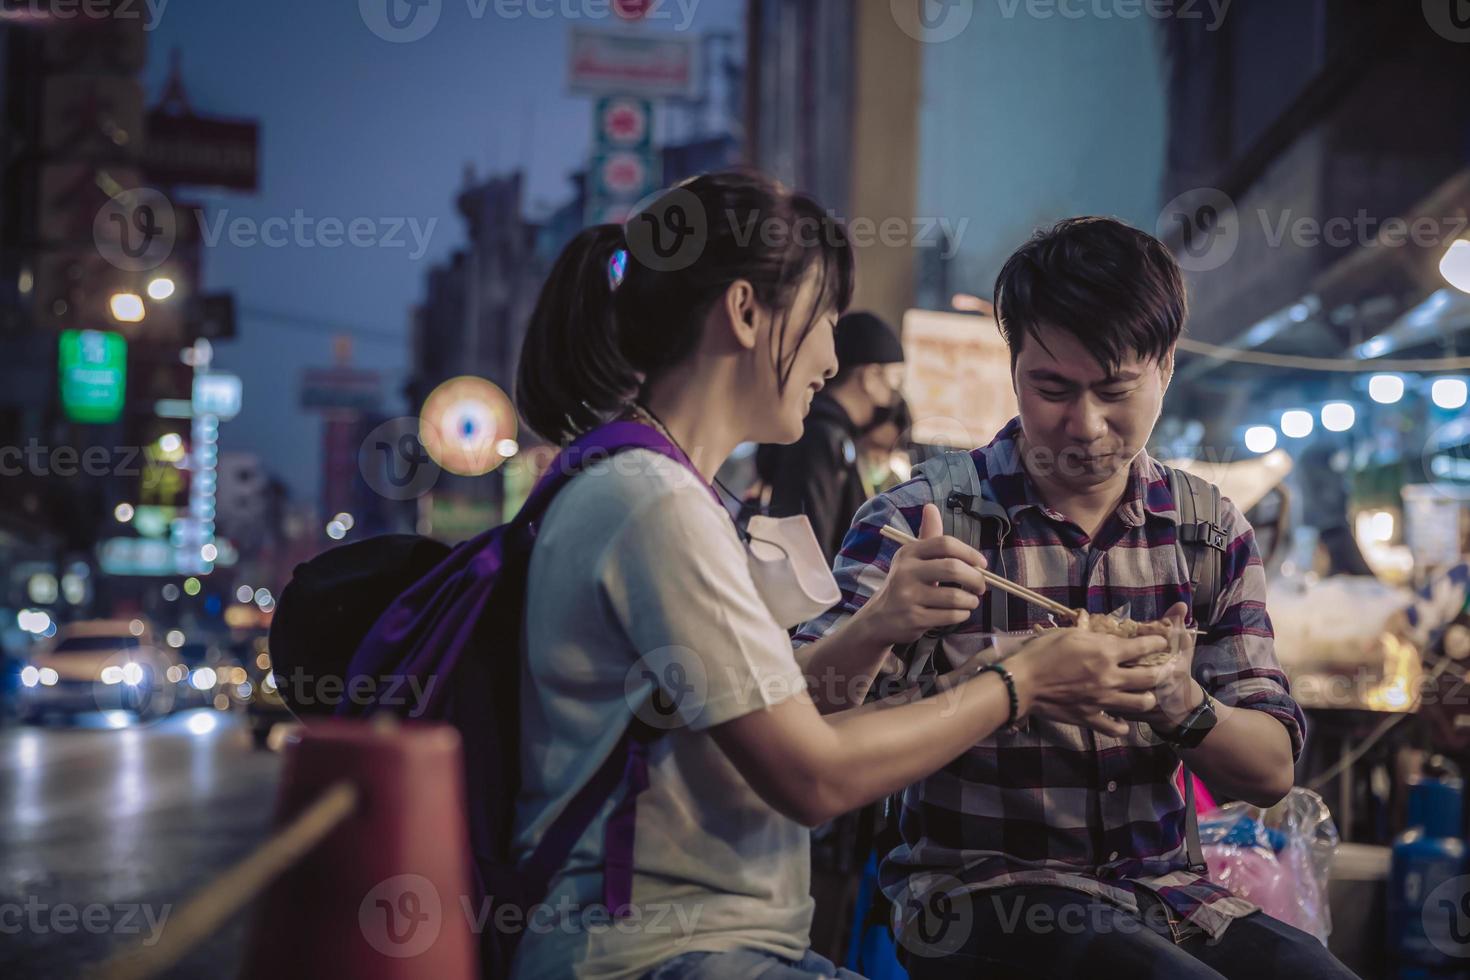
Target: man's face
(1084,424)
(883,383)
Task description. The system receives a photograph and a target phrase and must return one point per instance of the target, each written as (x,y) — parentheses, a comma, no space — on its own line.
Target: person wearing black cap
(820,475)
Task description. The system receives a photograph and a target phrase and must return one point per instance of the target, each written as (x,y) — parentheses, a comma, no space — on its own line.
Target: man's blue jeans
(1071,934)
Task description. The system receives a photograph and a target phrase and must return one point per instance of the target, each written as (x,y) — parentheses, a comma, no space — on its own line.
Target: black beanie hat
(862,338)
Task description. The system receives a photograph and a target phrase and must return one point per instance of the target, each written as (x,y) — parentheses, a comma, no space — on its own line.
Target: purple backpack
(461,625)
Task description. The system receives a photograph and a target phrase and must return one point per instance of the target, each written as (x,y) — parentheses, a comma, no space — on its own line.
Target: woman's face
(781,413)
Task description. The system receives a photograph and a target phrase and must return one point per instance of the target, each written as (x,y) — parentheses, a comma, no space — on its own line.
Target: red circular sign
(625,121)
(631,9)
(624,173)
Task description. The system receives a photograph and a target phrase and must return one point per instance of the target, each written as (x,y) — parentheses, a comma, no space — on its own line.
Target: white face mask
(789,570)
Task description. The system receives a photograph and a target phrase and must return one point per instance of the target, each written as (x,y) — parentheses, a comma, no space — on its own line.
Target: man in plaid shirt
(1054,849)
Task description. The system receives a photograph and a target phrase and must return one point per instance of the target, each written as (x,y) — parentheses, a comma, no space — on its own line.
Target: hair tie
(617,268)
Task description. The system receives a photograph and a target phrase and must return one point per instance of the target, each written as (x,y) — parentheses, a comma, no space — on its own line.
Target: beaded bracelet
(1010,683)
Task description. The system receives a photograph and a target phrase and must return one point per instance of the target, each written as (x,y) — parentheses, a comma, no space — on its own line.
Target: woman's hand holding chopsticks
(933,581)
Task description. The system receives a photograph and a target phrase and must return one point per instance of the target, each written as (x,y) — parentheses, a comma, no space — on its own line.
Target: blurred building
(1297,115)
(71,129)
(350,402)
(471,322)
(250,503)
(477,304)
(1026,120)
(1318,172)
(100,299)
(832,108)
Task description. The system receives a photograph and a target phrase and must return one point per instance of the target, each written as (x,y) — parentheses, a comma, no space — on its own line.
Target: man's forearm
(1246,756)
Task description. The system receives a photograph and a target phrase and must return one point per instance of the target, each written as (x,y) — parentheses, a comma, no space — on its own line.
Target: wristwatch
(1192,731)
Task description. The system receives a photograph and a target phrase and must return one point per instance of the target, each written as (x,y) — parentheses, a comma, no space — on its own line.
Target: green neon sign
(94,367)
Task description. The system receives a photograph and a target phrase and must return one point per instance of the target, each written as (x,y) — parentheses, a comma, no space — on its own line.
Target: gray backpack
(1201,538)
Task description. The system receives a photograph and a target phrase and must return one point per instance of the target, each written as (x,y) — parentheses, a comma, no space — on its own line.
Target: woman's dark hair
(1115,288)
(593,342)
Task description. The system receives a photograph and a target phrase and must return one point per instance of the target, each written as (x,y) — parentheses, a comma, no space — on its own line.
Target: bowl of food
(1128,628)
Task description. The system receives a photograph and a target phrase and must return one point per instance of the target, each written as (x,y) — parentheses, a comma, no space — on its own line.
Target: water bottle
(1429,893)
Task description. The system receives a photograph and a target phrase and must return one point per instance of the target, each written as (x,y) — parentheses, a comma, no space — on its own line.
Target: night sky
(353,126)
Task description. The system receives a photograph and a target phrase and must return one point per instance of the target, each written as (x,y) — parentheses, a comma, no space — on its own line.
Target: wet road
(104,831)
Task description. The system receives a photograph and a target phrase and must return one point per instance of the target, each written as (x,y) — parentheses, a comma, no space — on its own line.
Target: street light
(1449,393)
(1260,439)
(161,288)
(126,307)
(1338,416)
(1455,266)
(1385,389)
(1297,424)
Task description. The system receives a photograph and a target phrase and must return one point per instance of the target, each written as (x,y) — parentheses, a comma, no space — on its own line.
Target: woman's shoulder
(612,491)
(634,475)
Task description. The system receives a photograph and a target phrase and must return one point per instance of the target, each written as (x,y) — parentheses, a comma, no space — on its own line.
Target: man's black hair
(1113,287)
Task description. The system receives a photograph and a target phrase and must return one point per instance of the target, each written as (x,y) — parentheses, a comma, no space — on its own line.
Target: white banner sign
(601,62)
(957,379)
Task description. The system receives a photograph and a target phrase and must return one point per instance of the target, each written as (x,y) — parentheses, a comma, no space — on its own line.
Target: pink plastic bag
(1280,859)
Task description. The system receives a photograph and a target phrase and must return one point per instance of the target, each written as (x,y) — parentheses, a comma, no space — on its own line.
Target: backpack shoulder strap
(1201,538)
(1192,849)
(961,505)
(627,764)
(947,475)
(955,490)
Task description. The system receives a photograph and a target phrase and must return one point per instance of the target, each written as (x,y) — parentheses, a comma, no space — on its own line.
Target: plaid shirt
(1053,803)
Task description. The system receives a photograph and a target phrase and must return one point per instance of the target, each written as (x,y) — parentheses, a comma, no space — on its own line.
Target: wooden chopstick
(1004,584)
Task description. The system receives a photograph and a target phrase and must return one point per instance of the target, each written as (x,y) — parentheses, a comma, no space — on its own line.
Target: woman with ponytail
(647,607)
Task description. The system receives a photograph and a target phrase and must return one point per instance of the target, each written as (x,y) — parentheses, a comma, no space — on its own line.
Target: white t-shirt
(637,574)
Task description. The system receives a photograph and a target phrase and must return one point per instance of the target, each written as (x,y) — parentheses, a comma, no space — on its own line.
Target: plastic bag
(1280,859)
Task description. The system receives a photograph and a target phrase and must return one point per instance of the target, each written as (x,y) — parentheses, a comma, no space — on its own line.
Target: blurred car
(100,665)
(216,678)
(266,708)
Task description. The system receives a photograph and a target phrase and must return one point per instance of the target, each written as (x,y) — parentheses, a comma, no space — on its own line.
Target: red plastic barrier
(384,895)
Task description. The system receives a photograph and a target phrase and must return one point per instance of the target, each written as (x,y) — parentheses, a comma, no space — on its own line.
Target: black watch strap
(1192,731)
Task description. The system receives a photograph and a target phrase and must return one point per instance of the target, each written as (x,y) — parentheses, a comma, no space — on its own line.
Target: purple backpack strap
(593,447)
(627,764)
(617,838)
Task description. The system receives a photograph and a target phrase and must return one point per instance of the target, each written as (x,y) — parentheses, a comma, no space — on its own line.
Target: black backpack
(330,604)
